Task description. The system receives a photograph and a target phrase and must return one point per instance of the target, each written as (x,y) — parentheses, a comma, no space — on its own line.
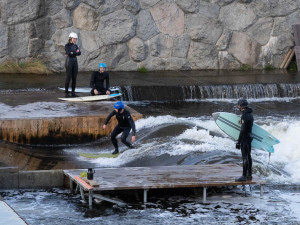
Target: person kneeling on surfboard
(245,139)
(125,124)
(97,81)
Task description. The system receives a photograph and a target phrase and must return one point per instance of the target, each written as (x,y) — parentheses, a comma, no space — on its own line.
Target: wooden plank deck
(145,178)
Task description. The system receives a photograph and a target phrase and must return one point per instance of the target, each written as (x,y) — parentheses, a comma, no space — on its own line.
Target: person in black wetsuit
(97,81)
(125,124)
(72,51)
(245,139)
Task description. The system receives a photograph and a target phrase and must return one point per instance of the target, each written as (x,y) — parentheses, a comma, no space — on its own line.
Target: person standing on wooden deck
(245,139)
(97,81)
(71,64)
(125,124)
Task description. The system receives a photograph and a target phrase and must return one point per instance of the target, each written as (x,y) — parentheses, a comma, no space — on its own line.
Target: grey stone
(202,56)
(221,2)
(244,49)
(261,31)
(41,28)
(188,6)
(132,6)
(204,29)
(146,27)
(227,61)
(3,40)
(265,8)
(113,55)
(209,10)
(161,46)
(119,26)
(169,19)
(136,49)
(62,19)
(110,6)
(14,12)
(41,179)
(90,40)
(224,40)
(35,47)
(148,3)
(181,46)
(55,61)
(245,1)
(128,66)
(85,18)
(156,63)
(18,39)
(237,16)
(53,7)
(93,3)
(70,4)
(61,37)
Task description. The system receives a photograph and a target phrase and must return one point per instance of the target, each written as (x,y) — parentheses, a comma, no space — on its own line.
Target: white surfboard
(230,124)
(91,98)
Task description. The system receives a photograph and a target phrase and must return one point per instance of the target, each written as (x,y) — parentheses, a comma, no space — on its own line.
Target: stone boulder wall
(154,34)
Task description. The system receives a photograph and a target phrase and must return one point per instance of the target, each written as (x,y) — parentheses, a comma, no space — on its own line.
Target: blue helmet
(119,105)
(102,65)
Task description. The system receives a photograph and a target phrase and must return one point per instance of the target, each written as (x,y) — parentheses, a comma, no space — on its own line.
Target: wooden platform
(146,178)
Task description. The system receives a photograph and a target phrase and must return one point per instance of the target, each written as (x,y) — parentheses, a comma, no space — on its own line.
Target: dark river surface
(177,129)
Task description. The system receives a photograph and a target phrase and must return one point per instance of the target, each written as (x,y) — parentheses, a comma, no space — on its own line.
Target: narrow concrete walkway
(8,215)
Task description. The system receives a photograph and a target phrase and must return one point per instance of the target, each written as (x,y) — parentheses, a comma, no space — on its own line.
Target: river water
(177,129)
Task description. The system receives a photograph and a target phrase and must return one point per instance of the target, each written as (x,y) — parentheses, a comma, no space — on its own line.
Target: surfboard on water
(230,124)
(91,98)
(113,90)
(98,155)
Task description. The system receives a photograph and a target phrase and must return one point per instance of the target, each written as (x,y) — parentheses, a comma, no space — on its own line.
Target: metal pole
(145,195)
(90,199)
(261,190)
(204,194)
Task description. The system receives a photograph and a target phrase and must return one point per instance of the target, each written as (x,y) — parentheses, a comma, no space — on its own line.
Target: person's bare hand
(104,126)
(96,92)
(133,138)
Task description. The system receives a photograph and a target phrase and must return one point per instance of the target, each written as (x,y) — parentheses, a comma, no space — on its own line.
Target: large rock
(202,56)
(18,39)
(3,40)
(244,49)
(146,27)
(237,16)
(113,55)
(14,12)
(70,4)
(62,19)
(261,31)
(93,3)
(209,10)
(110,6)
(148,3)
(224,40)
(53,7)
(41,28)
(132,6)
(188,6)
(161,46)
(117,27)
(169,19)
(90,40)
(35,47)
(203,29)
(222,2)
(227,61)
(155,63)
(137,49)
(85,18)
(128,66)
(275,7)
(181,46)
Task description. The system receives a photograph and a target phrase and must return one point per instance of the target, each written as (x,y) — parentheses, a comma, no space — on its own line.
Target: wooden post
(289,59)
(285,58)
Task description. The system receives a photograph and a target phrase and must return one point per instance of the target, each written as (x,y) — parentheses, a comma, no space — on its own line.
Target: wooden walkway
(146,178)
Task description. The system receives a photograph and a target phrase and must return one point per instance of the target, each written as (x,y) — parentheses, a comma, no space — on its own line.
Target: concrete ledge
(32,179)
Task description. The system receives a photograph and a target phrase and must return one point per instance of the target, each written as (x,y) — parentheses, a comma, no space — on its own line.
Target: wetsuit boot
(116,151)
(241,179)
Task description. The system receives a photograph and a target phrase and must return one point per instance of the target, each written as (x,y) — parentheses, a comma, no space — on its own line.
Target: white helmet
(73,35)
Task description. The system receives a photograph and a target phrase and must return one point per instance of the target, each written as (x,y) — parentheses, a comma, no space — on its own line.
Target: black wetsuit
(245,139)
(71,65)
(97,82)
(125,124)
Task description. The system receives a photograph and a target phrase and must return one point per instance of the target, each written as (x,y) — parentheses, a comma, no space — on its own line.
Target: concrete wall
(155,34)
(11,178)
(57,130)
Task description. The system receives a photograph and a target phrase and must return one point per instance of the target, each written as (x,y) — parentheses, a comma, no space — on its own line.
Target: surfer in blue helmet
(125,124)
(245,139)
(97,81)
